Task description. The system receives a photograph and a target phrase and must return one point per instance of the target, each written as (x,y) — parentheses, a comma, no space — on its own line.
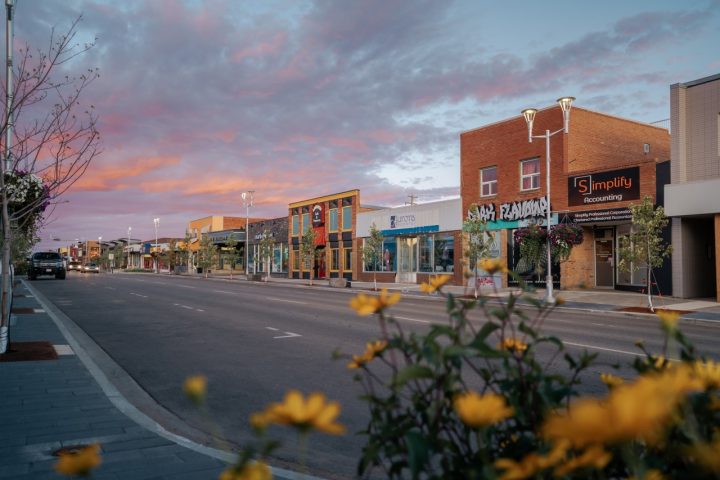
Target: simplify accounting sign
(604,187)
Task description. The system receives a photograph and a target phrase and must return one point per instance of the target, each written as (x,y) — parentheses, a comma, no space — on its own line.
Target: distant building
(693,196)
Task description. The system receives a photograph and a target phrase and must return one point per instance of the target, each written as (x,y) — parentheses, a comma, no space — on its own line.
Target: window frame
(334,211)
(531,176)
(335,259)
(347,260)
(491,183)
(347,208)
(295,225)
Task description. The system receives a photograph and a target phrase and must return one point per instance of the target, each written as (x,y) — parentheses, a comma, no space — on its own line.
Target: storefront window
(296,260)
(426,253)
(637,273)
(488,181)
(334,259)
(444,253)
(390,254)
(305,222)
(295,225)
(333,219)
(347,264)
(347,218)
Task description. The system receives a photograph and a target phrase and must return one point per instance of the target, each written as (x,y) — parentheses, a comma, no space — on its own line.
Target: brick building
(333,218)
(598,169)
(692,197)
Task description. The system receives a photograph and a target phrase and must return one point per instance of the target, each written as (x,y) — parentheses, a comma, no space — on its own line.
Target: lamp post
(128,249)
(99,250)
(247,198)
(529,115)
(156,221)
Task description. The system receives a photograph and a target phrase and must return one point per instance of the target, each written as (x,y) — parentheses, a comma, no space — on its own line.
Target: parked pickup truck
(46,263)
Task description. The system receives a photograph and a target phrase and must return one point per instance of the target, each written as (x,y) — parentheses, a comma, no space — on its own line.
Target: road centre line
(273,329)
(185,286)
(224,291)
(138,295)
(285,300)
(412,319)
(624,352)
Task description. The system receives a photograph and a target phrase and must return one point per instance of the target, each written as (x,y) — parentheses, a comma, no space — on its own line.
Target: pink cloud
(108,177)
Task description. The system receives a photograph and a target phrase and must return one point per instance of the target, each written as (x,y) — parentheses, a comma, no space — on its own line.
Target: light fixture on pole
(247,198)
(99,248)
(128,249)
(529,115)
(156,221)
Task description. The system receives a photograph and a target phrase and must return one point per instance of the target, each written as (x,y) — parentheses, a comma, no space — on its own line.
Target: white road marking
(138,295)
(273,329)
(185,286)
(289,335)
(624,352)
(110,288)
(413,319)
(223,291)
(599,324)
(38,310)
(285,300)
(199,310)
(63,350)
(159,283)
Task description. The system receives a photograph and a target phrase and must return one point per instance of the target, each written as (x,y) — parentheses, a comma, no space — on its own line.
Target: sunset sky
(201,100)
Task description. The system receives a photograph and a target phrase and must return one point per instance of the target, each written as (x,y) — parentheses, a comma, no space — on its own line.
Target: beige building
(693,197)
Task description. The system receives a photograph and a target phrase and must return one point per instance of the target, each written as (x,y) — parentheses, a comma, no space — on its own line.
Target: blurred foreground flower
(435,283)
(611,380)
(668,319)
(372,350)
(478,410)
(252,471)
(195,388)
(493,265)
(512,345)
(315,413)
(80,462)
(369,304)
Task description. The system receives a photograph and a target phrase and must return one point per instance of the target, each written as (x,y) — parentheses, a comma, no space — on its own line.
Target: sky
(199,101)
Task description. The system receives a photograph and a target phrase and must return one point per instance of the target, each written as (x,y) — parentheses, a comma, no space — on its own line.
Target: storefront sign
(595,216)
(485,212)
(318,215)
(510,212)
(604,187)
(402,221)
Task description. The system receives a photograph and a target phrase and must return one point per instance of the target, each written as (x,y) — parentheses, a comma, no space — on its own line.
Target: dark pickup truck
(46,263)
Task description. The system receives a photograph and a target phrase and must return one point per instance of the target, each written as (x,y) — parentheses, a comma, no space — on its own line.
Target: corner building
(603,165)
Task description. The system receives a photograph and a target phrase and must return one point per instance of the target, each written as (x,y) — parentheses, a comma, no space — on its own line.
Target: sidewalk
(68,401)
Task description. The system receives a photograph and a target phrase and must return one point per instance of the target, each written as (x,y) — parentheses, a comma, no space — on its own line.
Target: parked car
(91,268)
(77,266)
(46,263)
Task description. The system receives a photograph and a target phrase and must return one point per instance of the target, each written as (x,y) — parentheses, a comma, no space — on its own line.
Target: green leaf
(486,330)
(413,372)
(417,452)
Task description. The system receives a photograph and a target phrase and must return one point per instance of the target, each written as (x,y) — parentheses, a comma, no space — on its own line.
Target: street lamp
(156,221)
(529,115)
(99,249)
(128,249)
(247,198)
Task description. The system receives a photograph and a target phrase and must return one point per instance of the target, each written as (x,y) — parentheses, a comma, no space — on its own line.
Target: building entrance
(604,259)
(407,259)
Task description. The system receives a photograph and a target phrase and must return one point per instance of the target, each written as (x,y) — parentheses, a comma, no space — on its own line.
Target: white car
(91,268)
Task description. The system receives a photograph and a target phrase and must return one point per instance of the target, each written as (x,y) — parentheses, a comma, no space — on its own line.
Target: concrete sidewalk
(69,401)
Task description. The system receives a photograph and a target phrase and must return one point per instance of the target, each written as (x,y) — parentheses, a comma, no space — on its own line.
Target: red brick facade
(595,143)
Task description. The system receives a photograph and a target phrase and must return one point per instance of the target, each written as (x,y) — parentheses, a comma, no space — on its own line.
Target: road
(255,341)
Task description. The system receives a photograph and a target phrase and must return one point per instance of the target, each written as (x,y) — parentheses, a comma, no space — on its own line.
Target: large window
(347,255)
(444,251)
(305,223)
(295,225)
(426,253)
(388,258)
(333,219)
(296,260)
(488,181)
(530,174)
(347,218)
(334,259)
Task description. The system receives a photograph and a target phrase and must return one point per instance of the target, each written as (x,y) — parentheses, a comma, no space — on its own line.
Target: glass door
(407,259)
(604,262)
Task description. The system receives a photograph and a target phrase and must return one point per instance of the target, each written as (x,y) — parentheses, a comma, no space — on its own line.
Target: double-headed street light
(156,221)
(247,198)
(529,114)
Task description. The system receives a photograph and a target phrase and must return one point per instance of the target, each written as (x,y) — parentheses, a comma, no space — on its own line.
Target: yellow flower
(668,319)
(708,372)
(531,463)
(252,471)
(707,455)
(372,350)
(435,283)
(481,410)
(493,265)
(369,304)
(559,301)
(714,403)
(80,462)
(651,474)
(195,388)
(512,345)
(595,457)
(314,413)
(611,380)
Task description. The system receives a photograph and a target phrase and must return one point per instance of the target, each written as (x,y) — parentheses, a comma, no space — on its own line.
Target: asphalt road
(255,341)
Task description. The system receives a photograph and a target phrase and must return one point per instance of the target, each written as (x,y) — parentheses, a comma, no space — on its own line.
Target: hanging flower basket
(531,240)
(28,197)
(563,237)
